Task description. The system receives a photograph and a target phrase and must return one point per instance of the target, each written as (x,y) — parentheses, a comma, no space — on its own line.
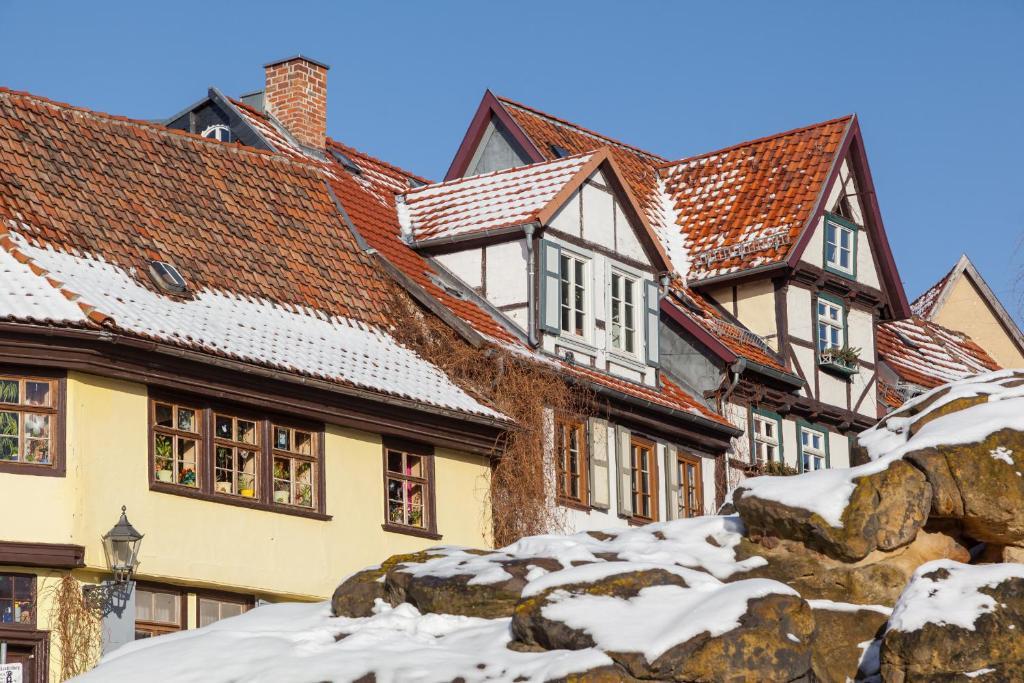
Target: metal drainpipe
(736,368)
(531,273)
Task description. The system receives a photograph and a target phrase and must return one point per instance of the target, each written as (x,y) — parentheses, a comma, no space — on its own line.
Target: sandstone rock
(462,594)
(635,616)
(842,634)
(954,620)
(981,484)
(884,512)
(877,579)
(355,596)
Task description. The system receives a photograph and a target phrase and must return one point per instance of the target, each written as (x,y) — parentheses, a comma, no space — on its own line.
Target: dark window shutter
(550,256)
(652,299)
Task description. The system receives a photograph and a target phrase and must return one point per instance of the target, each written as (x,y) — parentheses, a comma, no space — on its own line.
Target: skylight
(167,277)
(559,151)
(348,164)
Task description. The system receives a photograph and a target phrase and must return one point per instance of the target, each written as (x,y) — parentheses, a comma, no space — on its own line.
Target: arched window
(218,132)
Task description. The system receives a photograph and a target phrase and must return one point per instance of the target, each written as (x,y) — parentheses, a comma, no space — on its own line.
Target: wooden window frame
(58,411)
(586,285)
(682,460)
(561,461)
(161,628)
(221,442)
(263,500)
(20,625)
(247,601)
(840,223)
(628,323)
(636,442)
(429,486)
(175,433)
(819,320)
(312,458)
(803,426)
(758,415)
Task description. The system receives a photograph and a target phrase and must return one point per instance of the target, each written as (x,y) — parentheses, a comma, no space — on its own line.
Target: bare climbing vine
(526,390)
(75,632)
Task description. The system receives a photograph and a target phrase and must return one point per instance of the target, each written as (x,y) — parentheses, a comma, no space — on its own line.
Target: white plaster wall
(626,241)
(801,324)
(838,450)
(832,389)
(707,468)
(815,251)
(568,218)
(861,333)
(465,265)
(598,216)
(861,381)
(806,358)
(507,279)
(866,271)
(790,443)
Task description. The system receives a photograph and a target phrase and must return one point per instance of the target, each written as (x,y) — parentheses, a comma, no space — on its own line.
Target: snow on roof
(292,338)
(827,492)
(952,597)
(299,643)
(927,354)
(486,202)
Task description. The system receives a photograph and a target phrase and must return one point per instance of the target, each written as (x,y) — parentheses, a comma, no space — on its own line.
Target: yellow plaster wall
(967,311)
(206,544)
(755,308)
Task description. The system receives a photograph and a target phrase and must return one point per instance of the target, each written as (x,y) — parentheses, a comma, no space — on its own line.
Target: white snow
(650,622)
(1002,453)
(978,672)
(302,340)
(848,607)
(952,601)
(302,643)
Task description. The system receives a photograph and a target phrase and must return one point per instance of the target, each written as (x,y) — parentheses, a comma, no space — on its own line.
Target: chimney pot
(296,94)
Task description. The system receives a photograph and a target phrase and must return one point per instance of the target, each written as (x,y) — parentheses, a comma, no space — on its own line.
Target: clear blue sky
(939,86)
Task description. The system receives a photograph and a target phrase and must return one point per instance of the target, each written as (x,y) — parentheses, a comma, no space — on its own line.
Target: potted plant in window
(282,495)
(843,360)
(187,476)
(162,459)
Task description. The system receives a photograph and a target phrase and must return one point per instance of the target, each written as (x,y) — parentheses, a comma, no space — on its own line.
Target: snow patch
(848,607)
(1002,453)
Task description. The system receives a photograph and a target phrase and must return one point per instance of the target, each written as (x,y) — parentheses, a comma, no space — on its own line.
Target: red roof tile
(927,354)
(746,205)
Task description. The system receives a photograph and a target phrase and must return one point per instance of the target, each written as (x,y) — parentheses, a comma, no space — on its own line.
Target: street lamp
(121,546)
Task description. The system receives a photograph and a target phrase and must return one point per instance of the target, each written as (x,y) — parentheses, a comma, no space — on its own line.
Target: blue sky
(939,86)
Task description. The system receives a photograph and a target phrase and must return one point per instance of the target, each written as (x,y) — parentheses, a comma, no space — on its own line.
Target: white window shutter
(651,317)
(671,484)
(550,256)
(625,483)
(599,486)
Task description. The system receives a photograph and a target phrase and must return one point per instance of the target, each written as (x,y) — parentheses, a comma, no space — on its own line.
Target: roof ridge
(582,129)
(159,129)
(375,159)
(755,141)
(502,171)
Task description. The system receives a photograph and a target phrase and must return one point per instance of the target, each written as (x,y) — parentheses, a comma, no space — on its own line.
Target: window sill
(573,504)
(839,272)
(251,503)
(411,531)
(639,521)
(33,469)
(837,368)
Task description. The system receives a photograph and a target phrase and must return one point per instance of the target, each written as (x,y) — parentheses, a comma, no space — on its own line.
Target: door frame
(39,642)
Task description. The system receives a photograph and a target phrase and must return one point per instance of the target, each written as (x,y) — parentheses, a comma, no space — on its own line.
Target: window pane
(187,452)
(162,453)
(143,605)
(37,393)
(414,465)
(224,428)
(303,443)
(395,461)
(282,439)
(246,431)
(10,391)
(165,608)
(37,451)
(163,415)
(186,420)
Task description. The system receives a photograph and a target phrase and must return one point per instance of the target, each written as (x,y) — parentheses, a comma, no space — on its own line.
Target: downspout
(531,287)
(737,369)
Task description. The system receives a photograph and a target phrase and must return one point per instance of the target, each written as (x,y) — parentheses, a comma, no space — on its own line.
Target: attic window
(559,151)
(167,277)
(218,132)
(843,208)
(347,163)
(413,183)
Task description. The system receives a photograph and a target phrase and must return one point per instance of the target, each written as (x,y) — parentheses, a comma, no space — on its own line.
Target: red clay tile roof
(924,305)
(927,354)
(488,202)
(746,205)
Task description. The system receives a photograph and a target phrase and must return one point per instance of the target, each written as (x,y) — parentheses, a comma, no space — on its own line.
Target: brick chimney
(296,94)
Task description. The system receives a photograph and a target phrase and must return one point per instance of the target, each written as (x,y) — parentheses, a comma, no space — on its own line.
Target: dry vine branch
(74,628)
(522,502)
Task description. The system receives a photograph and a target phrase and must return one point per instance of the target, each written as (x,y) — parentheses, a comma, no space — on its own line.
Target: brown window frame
(220,442)
(34,599)
(682,460)
(562,455)
(294,457)
(159,628)
(429,486)
(263,498)
(636,443)
(175,434)
(57,411)
(246,601)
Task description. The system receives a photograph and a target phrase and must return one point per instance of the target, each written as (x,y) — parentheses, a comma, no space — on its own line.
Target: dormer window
(167,277)
(573,295)
(218,132)
(559,151)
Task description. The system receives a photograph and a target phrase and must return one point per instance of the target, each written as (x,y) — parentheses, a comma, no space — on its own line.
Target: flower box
(840,361)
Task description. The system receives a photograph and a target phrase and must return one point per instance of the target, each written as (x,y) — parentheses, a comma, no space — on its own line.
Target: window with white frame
(573,295)
(831,325)
(624,290)
(767,439)
(839,249)
(812,449)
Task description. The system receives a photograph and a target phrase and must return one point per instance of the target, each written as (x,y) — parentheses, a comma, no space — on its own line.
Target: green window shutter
(597,430)
(550,285)
(652,300)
